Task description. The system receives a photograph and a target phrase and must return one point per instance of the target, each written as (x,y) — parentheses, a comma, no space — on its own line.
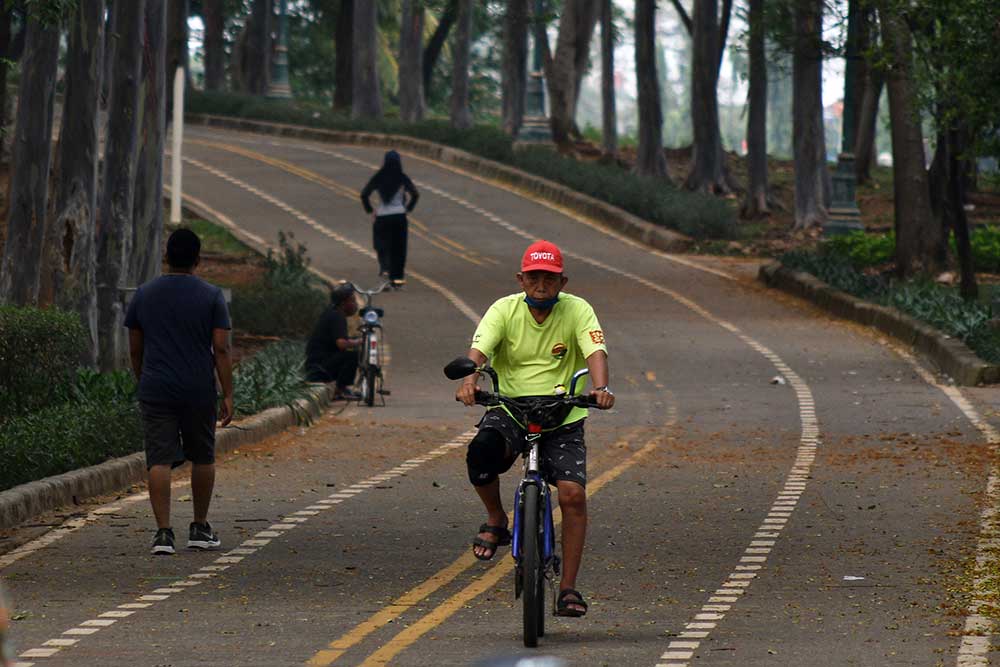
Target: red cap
(542,256)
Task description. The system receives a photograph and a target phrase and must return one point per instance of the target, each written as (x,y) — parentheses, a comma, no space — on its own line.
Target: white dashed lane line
(229,558)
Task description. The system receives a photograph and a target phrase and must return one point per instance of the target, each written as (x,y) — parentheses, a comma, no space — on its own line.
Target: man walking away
(330,355)
(178,341)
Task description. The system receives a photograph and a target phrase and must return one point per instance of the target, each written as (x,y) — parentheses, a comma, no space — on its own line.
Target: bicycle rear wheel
(531,568)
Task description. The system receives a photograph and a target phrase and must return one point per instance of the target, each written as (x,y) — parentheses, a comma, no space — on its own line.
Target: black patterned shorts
(562,452)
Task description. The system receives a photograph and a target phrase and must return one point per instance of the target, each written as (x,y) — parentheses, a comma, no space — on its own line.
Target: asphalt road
(828,517)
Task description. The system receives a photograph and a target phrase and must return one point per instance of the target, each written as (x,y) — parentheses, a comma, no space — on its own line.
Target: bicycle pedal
(555,565)
(385,392)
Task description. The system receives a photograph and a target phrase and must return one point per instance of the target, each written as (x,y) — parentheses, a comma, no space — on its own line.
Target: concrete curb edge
(27,501)
(951,356)
(610,216)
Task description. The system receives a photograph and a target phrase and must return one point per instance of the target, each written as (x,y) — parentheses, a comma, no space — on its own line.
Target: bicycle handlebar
(492,399)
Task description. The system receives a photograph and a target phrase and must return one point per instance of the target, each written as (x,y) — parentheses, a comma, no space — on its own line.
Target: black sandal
(503,539)
(563,605)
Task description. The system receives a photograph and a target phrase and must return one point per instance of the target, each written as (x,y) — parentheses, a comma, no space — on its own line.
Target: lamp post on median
(844,214)
(535,127)
(280,87)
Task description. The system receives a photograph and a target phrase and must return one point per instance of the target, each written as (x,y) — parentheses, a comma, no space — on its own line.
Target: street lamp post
(844,214)
(280,87)
(535,126)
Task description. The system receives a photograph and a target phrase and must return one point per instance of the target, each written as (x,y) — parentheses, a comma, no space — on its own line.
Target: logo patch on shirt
(475,339)
(559,350)
(597,337)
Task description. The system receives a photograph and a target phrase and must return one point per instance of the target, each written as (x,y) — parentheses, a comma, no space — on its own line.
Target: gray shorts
(177,433)
(562,452)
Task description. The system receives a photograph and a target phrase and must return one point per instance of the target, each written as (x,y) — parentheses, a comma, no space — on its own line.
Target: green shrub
(65,437)
(277,311)
(697,215)
(89,386)
(39,352)
(273,377)
(985,242)
(862,249)
(287,301)
(940,306)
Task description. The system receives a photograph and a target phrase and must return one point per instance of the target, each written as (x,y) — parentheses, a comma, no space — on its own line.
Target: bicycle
(370,358)
(534,542)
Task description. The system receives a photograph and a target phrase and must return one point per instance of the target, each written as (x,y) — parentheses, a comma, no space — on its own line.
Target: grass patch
(217,239)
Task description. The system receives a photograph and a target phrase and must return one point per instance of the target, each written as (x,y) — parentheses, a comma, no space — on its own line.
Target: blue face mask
(547,304)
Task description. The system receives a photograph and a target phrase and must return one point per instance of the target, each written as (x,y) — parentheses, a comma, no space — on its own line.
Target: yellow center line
(405,602)
(446,609)
(420,230)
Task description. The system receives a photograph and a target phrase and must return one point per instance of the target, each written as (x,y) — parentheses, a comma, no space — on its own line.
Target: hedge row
(39,353)
(65,437)
(697,215)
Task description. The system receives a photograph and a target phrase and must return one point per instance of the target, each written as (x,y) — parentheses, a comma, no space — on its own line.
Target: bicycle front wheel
(531,567)
(368,385)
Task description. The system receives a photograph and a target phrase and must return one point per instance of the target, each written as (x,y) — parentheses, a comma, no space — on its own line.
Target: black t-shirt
(177,314)
(322,345)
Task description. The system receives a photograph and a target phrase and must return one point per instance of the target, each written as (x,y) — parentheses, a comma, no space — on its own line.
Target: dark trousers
(341,367)
(389,238)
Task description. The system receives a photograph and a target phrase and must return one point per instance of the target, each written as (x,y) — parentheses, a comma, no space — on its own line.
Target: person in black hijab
(398,197)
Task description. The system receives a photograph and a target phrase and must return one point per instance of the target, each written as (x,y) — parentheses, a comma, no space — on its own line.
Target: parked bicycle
(534,540)
(370,353)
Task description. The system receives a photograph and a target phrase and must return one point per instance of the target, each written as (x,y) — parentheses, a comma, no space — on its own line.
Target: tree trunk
(755,204)
(70,259)
(366,98)
(514,68)
(920,243)
(110,41)
(727,14)
(343,76)
(214,14)
(864,147)
(609,117)
(6,21)
(411,52)
(562,79)
(650,160)
(708,171)
(22,257)
(437,41)
(147,218)
(177,38)
(461,117)
(114,218)
(808,135)
(959,221)
(587,20)
(259,48)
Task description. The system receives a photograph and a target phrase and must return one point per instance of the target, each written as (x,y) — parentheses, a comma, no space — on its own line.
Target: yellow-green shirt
(532,359)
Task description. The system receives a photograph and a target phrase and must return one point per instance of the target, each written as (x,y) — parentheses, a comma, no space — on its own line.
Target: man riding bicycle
(535,340)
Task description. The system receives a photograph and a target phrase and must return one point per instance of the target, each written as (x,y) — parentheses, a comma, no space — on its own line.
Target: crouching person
(331,356)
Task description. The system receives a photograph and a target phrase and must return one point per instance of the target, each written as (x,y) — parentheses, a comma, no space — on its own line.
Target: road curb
(951,356)
(610,216)
(24,502)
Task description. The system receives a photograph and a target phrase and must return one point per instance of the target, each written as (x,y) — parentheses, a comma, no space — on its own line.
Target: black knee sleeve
(486,457)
